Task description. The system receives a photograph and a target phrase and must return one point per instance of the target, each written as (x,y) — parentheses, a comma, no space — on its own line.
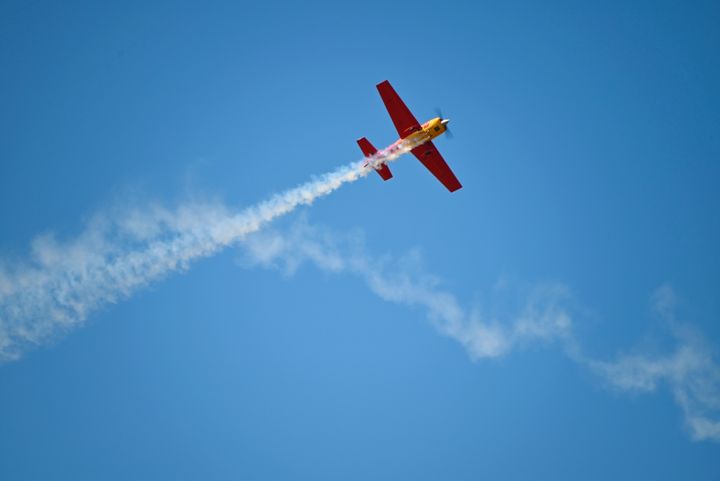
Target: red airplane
(412,133)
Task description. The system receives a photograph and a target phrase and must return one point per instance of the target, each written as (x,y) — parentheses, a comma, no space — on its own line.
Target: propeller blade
(444,121)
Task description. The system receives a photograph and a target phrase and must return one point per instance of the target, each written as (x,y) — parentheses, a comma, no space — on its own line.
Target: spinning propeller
(444,121)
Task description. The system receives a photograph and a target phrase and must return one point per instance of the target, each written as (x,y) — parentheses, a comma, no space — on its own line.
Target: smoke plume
(62,282)
(546,315)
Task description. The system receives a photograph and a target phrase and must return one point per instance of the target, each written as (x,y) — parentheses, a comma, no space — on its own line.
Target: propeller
(444,122)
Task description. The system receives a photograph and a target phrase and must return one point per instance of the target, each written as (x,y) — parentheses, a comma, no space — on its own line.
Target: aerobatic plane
(411,131)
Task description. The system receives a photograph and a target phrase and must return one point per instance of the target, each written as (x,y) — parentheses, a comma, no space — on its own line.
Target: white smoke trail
(546,315)
(113,257)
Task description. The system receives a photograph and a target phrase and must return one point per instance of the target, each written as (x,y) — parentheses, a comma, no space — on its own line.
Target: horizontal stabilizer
(384,172)
(369,150)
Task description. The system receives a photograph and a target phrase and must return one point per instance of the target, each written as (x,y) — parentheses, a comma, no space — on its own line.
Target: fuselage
(428,131)
(432,128)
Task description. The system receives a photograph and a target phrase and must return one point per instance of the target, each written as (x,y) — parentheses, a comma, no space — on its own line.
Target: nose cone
(444,121)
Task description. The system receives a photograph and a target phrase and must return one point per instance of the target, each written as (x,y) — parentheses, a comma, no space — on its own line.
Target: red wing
(404,121)
(428,154)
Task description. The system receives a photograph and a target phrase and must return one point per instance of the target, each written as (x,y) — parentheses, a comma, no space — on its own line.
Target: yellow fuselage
(428,131)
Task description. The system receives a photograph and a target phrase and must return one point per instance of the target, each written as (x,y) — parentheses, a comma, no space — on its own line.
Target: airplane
(411,131)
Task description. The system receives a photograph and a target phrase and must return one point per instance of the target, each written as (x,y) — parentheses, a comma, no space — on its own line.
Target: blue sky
(556,318)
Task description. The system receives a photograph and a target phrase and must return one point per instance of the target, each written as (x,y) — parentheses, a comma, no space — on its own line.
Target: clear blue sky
(586,138)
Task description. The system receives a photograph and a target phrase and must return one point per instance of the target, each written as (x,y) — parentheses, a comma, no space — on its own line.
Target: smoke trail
(546,315)
(113,257)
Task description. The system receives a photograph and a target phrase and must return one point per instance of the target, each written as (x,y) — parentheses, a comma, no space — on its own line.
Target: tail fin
(368,150)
